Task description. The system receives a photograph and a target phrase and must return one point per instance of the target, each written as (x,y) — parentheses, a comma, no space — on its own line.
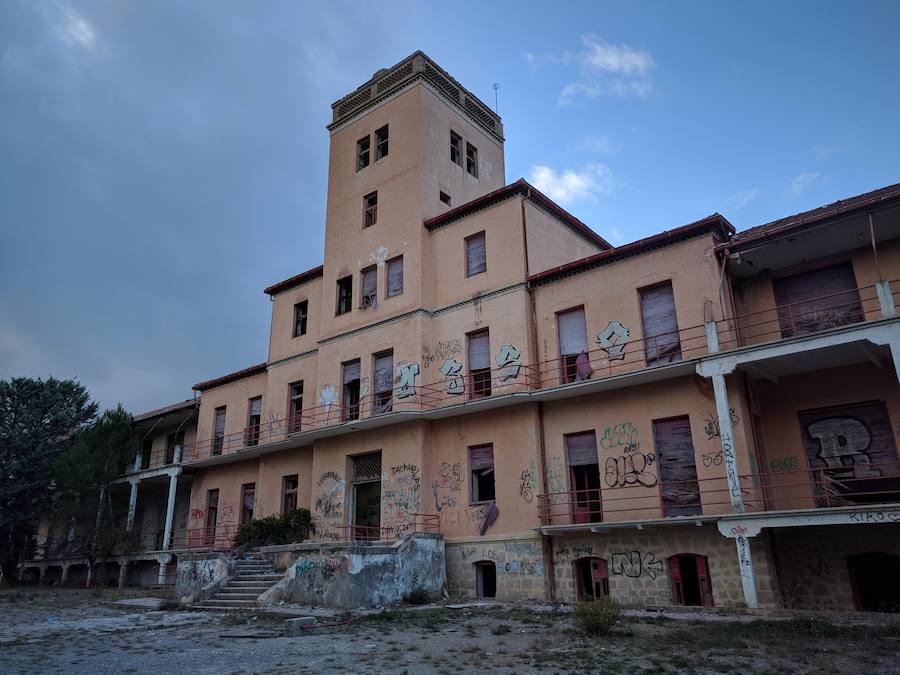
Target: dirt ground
(50,630)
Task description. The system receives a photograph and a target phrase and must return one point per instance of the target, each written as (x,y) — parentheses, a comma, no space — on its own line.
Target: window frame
(382,399)
(370,209)
(471,160)
(382,141)
(387,276)
(466,243)
(477,374)
(351,411)
(245,488)
(474,481)
(285,492)
(370,300)
(218,445)
(295,414)
(456,148)
(301,318)
(363,152)
(348,281)
(253,430)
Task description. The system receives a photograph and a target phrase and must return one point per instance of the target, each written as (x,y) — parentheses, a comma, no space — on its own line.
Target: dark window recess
(584,477)
(481,463)
(146,453)
(219,431)
(362,153)
(679,490)
(370,209)
(875,579)
(344,295)
(295,407)
(248,497)
(591,578)
(368,282)
(817,300)
(254,421)
(575,364)
(476,254)
(395,277)
(480,364)
(212,516)
(455,148)
(289,493)
(173,440)
(852,454)
(445,198)
(689,576)
(301,316)
(384,382)
(381,142)
(661,341)
(472,159)
(350,399)
(486,579)
(367,496)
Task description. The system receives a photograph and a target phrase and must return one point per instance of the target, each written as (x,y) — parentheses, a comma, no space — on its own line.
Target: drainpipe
(551,566)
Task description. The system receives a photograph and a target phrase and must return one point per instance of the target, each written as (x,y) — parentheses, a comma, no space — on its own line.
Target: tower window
(344,295)
(362,153)
(472,159)
(455,148)
(445,198)
(369,286)
(301,316)
(370,209)
(476,254)
(381,142)
(394,277)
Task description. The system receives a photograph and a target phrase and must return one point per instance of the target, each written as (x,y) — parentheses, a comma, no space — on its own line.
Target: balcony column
(726,434)
(132,503)
(885,298)
(748,577)
(170,508)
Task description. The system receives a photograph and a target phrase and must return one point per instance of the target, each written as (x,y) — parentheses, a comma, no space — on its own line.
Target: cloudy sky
(162,162)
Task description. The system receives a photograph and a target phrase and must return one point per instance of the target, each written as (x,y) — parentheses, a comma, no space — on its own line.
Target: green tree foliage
(39,420)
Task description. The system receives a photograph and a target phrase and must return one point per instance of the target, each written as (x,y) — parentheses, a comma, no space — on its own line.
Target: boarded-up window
(476,254)
(480,364)
(368,286)
(481,464)
(384,381)
(581,449)
(852,453)
(679,489)
(817,300)
(395,276)
(661,341)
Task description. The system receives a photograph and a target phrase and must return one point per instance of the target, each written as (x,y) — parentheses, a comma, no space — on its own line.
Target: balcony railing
(817,488)
(419,523)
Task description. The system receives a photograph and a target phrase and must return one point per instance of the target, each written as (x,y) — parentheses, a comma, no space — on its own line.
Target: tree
(84,473)
(39,420)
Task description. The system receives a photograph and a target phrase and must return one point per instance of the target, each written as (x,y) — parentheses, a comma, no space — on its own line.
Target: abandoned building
(476,392)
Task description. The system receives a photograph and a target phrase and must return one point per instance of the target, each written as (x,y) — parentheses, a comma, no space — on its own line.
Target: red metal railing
(419,523)
(871,483)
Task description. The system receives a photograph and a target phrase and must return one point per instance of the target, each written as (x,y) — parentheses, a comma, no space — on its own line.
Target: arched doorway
(876,581)
(689,576)
(485,579)
(591,578)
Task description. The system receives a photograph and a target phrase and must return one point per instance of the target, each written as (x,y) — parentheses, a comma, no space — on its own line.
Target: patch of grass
(501,629)
(597,618)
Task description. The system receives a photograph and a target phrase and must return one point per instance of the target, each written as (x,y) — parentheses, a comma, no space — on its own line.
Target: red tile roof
(175,407)
(520,186)
(301,278)
(231,377)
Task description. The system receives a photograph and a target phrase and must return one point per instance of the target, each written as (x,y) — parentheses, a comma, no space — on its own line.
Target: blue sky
(163,162)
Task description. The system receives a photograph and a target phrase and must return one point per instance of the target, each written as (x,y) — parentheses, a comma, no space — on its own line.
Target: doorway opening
(591,578)
(876,581)
(367,497)
(486,579)
(689,574)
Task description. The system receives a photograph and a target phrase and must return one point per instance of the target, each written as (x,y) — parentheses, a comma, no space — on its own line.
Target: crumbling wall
(200,575)
(358,575)
(521,572)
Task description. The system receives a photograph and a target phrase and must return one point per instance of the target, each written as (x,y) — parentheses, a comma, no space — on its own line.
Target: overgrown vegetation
(597,617)
(291,528)
(419,595)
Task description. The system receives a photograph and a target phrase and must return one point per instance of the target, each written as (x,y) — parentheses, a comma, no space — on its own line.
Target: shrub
(290,528)
(597,617)
(417,596)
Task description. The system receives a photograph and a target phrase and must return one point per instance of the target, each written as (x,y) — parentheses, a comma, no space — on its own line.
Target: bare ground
(54,630)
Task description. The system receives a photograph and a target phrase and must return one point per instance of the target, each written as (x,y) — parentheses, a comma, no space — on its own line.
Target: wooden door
(679,489)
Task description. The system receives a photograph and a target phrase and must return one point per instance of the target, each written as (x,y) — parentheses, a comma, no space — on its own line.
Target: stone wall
(521,568)
(201,575)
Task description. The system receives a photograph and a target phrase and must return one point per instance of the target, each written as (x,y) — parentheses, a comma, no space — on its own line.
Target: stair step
(230,603)
(260,578)
(242,583)
(235,595)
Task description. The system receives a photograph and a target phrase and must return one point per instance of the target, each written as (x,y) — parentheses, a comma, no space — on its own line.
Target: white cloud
(620,59)
(803,181)
(739,200)
(619,88)
(575,89)
(569,186)
(74,29)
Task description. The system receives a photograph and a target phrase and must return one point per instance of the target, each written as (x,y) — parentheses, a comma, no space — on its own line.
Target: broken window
(344,295)
(362,153)
(254,420)
(350,400)
(295,407)
(455,148)
(173,440)
(370,209)
(584,477)
(472,159)
(676,463)
(381,142)
(591,578)
(689,576)
(480,364)
(368,281)
(573,356)
(476,254)
(661,341)
(395,276)
(248,497)
(383,370)
(219,433)
(481,464)
(289,493)
(301,314)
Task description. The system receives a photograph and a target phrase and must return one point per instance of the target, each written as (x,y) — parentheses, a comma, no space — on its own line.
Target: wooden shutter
(384,372)
(479,351)
(706,594)
(675,580)
(677,467)
(572,332)
(395,277)
(803,309)
(662,343)
(481,457)
(369,284)
(351,371)
(476,254)
(581,449)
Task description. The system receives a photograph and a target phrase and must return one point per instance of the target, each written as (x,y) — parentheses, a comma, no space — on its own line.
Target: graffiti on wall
(784,464)
(632,467)
(329,506)
(622,435)
(556,480)
(445,488)
(613,339)
(527,483)
(446,349)
(570,553)
(454,382)
(712,458)
(843,442)
(508,560)
(635,564)
(509,359)
(406,375)
(712,424)
(328,397)
(401,496)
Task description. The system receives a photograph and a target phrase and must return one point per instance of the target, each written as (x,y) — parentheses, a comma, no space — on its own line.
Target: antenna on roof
(496,87)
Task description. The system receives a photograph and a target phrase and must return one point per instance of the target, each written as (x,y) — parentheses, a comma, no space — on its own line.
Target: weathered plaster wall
(550,243)
(520,563)
(282,343)
(227,479)
(272,470)
(200,576)
(235,396)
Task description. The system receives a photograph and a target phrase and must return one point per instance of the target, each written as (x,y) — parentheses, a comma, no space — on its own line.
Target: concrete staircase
(253,577)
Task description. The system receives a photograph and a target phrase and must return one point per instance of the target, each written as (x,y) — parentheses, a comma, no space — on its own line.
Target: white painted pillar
(132,504)
(170,509)
(164,560)
(885,298)
(712,337)
(123,572)
(726,434)
(748,577)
